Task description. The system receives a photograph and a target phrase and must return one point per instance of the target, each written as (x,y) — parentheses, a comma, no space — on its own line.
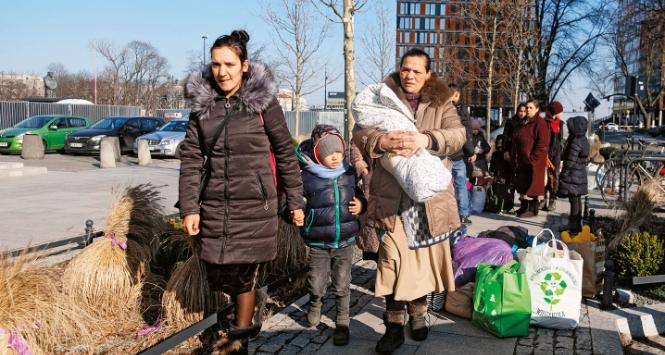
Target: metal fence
(13,112)
(309,119)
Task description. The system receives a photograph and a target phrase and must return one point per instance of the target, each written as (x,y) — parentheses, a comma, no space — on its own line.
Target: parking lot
(38,209)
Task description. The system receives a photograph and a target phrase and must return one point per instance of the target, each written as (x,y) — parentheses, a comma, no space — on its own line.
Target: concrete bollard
(107,152)
(144,153)
(116,147)
(33,147)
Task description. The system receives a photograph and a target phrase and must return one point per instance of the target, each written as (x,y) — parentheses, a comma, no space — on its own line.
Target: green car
(53,129)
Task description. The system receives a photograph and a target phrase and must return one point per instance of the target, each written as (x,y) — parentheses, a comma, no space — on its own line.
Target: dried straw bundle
(137,214)
(107,278)
(187,297)
(639,208)
(291,251)
(32,306)
(146,221)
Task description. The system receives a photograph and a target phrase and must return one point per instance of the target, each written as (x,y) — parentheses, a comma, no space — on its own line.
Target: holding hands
(298,217)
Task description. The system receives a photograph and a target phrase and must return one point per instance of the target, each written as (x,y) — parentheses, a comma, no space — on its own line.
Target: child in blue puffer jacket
(334,201)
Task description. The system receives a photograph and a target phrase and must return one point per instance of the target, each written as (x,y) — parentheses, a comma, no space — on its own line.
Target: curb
(640,322)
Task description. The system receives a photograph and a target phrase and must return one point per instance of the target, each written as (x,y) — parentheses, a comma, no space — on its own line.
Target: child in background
(573,178)
(500,167)
(500,197)
(478,161)
(331,223)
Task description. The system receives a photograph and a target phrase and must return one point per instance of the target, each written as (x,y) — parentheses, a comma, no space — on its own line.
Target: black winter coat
(478,141)
(328,222)
(573,178)
(238,209)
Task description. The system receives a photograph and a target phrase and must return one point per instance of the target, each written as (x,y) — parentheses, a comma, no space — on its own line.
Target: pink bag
(468,252)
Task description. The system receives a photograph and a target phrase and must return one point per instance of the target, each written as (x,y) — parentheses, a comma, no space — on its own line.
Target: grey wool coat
(239,205)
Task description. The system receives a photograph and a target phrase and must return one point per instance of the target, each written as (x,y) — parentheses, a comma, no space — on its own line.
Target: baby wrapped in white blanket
(421,175)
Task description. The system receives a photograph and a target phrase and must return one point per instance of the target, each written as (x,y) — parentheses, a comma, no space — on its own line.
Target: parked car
(127,129)
(53,129)
(612,127)
(656,131)
(165,141)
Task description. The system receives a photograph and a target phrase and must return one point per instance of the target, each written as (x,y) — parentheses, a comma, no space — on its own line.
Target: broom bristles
(640,207)
(107,278)
(187,297)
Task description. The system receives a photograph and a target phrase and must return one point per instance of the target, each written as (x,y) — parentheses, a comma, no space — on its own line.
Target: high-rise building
(638,61)
(443,30)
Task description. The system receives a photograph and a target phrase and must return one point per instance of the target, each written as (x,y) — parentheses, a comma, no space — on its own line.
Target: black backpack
(499,198)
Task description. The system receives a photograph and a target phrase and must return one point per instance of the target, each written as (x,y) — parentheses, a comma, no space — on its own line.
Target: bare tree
(515,52)
(567,35)
(378,45)
(487,23)
(345,16)
(117,59)
(299,38)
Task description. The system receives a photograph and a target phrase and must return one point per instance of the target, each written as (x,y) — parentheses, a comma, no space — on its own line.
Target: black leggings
(575,205)
(392,305)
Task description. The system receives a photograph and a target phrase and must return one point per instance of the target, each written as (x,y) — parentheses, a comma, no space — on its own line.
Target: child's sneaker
(341,335)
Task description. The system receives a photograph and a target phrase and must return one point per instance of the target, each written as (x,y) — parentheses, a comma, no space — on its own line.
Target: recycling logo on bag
(553,286)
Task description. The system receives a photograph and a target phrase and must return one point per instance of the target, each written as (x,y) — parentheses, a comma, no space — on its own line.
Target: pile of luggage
(507,279)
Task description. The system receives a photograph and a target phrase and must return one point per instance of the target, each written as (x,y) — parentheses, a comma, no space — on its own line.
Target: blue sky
(35,33)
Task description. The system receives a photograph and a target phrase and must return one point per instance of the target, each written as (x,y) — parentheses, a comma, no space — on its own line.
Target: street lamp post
(325,88)
(204,49)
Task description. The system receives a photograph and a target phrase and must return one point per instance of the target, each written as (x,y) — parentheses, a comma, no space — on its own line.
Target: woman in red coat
(530,143)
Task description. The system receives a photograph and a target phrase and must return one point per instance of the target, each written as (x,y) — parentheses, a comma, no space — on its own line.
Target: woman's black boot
(394,336)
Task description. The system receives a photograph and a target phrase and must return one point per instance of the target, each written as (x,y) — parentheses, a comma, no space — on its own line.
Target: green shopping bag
(501,300)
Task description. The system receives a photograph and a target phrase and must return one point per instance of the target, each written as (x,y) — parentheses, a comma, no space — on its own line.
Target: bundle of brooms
(639,208)
(34,312)
(109,275)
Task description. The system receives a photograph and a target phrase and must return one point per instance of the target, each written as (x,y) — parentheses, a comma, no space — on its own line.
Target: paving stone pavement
(287,332)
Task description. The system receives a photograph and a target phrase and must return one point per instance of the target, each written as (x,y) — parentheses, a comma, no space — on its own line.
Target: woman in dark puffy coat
(573,178)
(234,216)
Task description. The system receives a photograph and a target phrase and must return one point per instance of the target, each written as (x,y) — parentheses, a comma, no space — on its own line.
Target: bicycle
(625,170)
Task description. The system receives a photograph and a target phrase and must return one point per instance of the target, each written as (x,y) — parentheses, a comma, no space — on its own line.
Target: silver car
(166,141)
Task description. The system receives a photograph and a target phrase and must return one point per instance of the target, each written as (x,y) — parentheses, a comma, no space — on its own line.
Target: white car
(612,127)
(166,141)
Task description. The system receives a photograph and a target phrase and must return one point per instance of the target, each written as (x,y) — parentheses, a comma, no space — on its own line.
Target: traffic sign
(590,103)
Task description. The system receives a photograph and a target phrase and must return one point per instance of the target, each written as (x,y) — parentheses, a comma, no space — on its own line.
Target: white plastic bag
(555,281)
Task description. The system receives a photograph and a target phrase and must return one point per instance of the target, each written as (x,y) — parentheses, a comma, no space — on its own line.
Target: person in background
(508,133)
(529,152)
(573,179)
(367,239)
(460,158)
(555,126)
(499,166)
(477,165)
(333,203)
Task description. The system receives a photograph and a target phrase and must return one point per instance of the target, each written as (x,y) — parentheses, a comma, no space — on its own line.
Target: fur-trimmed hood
(257,90)
(435,91)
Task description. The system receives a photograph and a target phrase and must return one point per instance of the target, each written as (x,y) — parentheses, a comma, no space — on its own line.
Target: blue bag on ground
(477,197)
(468,252)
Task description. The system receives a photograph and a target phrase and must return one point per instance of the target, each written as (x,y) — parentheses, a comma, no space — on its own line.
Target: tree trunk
(490,73)
(349,75)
